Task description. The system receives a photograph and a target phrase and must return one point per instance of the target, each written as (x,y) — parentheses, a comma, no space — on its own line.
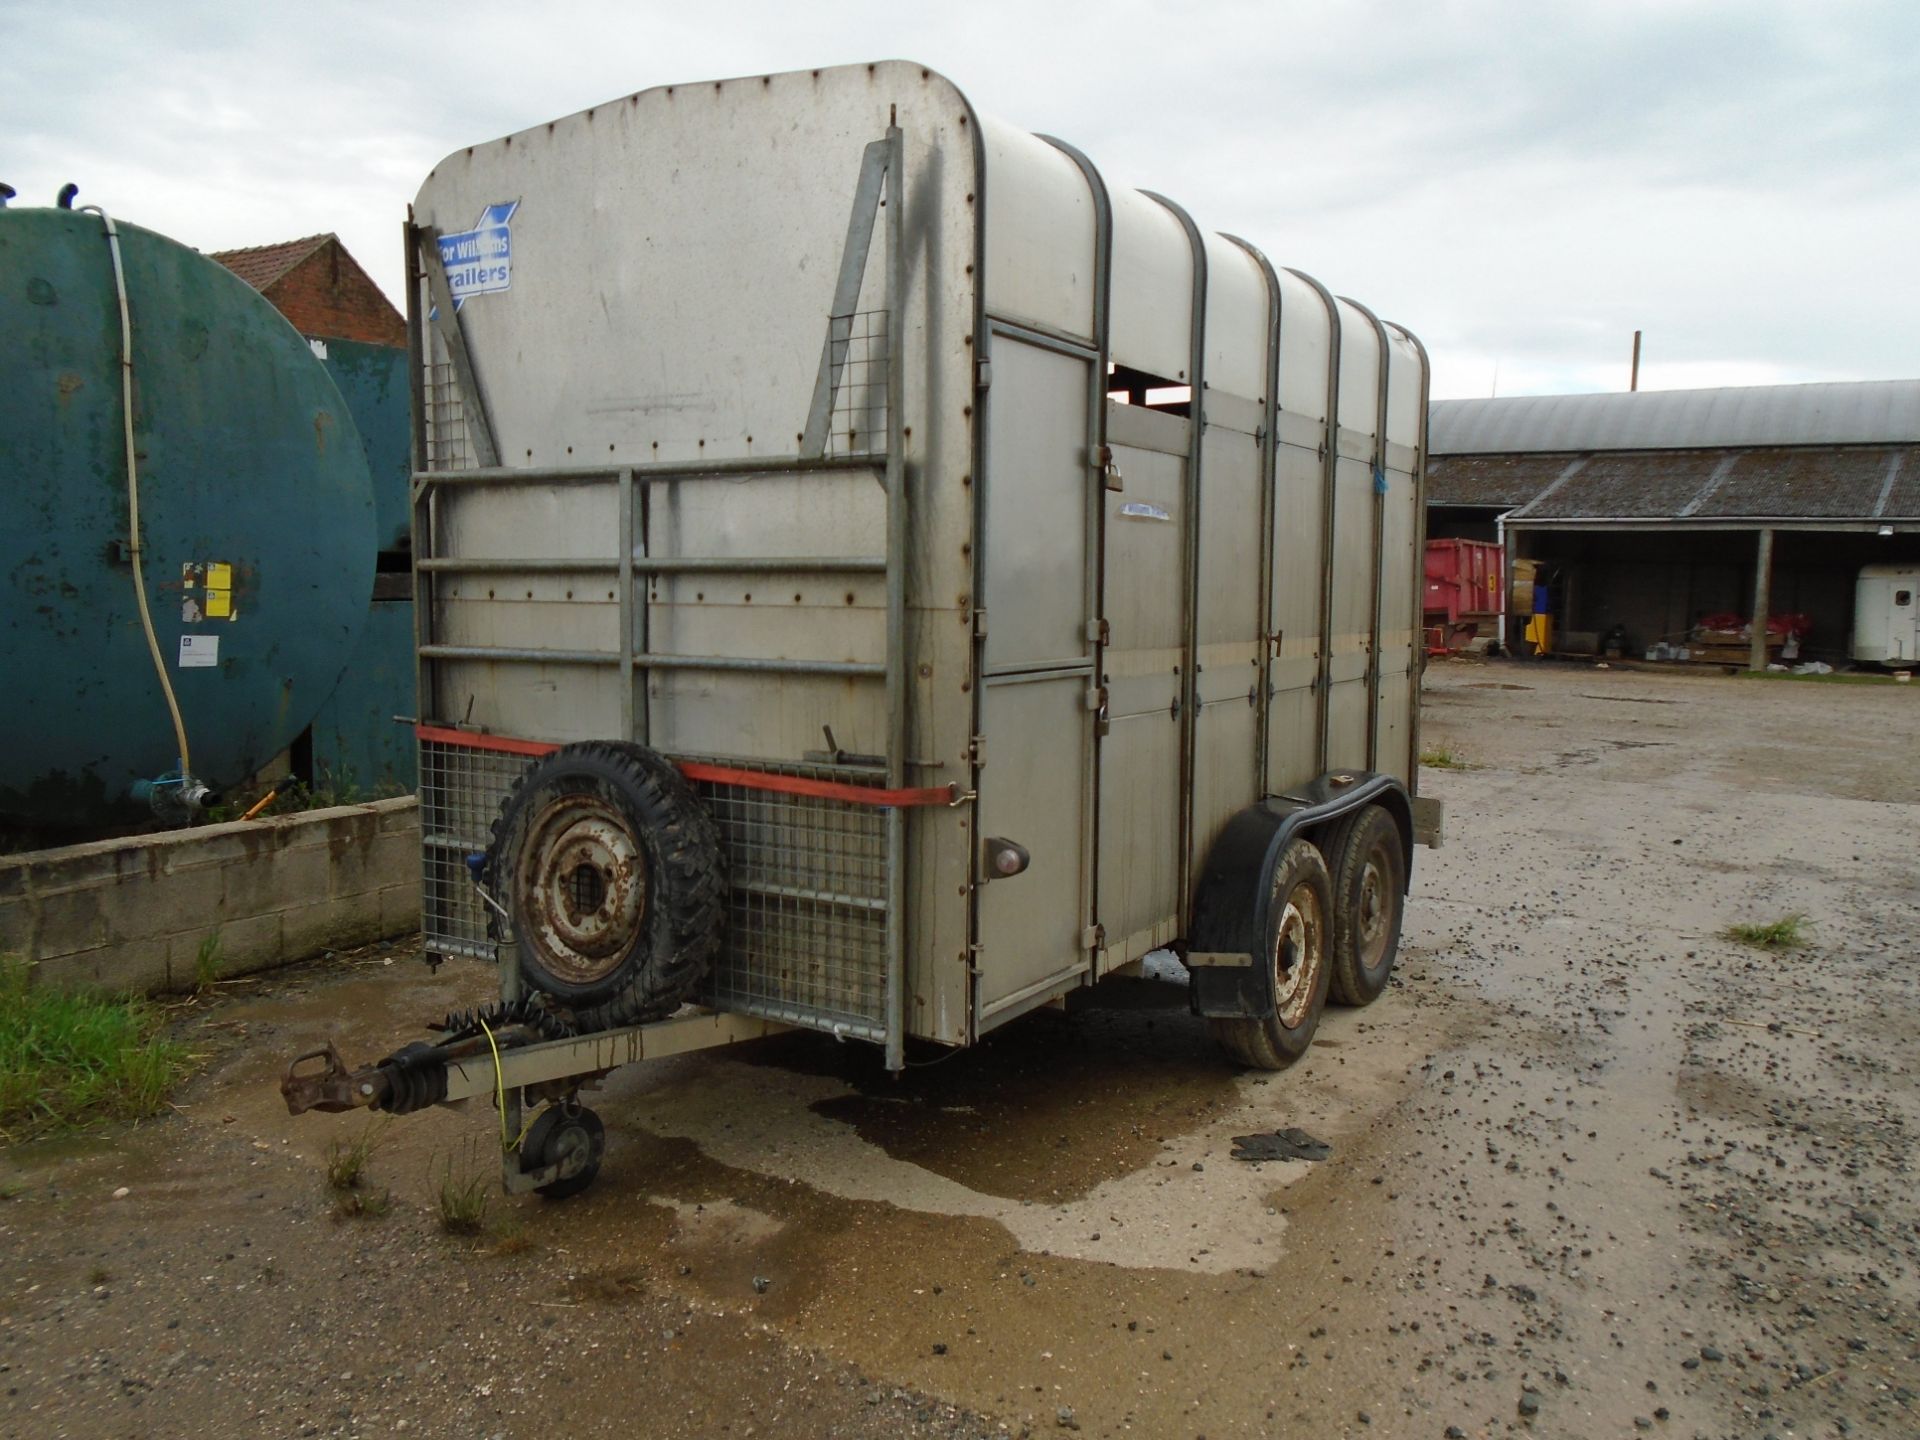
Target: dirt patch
(1577,1185)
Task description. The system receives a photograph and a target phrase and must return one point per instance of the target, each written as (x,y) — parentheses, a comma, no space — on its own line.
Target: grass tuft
(461,1199)
(1782,934)
(206,963)
(1442,759)
(347,1160)
(70,1061)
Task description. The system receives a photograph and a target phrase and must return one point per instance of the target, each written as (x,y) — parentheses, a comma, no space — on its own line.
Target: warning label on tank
(480,261)
(199,652)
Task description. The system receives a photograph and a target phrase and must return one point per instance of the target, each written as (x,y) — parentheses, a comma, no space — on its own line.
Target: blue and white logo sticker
(480,261)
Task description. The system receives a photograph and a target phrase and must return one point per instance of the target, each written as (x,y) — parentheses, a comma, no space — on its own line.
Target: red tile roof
(261,265)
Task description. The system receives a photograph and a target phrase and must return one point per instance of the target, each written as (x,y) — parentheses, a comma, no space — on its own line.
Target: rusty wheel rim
(583,888)
(1299,950)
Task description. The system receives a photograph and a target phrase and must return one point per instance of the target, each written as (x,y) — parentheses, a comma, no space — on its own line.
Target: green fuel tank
(256,522)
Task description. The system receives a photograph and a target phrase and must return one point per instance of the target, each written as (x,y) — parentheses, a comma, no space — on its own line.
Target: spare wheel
(612,874)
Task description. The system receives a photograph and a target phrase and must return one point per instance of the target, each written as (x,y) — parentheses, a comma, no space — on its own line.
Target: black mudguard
(1231,902)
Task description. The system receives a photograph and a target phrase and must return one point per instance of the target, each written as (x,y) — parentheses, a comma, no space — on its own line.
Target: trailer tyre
(1369,900)
(1297,945)
(570,1137)
(613,875)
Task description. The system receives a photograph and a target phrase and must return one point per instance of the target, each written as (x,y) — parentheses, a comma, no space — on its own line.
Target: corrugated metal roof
(1874,412)
(261,265)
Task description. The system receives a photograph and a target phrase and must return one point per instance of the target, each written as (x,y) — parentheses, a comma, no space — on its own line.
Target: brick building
(320,288)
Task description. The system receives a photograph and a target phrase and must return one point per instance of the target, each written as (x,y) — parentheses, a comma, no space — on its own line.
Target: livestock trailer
(876,576)
(1886,617)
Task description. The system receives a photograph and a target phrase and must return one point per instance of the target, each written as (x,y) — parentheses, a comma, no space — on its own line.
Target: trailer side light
(1006,858)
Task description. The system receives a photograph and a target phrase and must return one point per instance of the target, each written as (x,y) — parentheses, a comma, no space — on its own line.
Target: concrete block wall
(132,915)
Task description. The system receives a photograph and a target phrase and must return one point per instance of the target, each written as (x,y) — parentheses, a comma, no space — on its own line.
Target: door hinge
(977,751)
(1097,631)
(1096,697)
(1094,937)
(980,622)
(983,374)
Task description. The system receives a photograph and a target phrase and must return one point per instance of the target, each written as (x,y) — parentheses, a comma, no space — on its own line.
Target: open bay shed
(1650,509)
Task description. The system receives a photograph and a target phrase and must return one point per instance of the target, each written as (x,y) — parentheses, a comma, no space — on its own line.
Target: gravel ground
(1596,1169)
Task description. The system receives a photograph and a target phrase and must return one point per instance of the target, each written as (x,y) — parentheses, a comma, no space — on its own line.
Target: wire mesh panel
(807,932)
(445,414)
(807,927)
(858,422)
(461,788)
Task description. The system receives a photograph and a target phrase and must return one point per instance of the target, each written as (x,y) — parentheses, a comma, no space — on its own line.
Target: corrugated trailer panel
(1040,236)
(1354,554)
(1230,575)
(1301,514)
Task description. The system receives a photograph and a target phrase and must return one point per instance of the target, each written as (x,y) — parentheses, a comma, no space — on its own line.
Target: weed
(461,1199)
(508,1238)
(1781,934)
(68,1061)
(206,963)
(362,1203)
(347,1160)
(1442,759)
(99,1275)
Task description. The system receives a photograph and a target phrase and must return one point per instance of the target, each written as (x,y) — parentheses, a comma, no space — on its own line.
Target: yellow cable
(507,1147)
(499,1087)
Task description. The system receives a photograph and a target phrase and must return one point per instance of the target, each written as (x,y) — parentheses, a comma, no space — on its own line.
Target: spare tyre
(611,872)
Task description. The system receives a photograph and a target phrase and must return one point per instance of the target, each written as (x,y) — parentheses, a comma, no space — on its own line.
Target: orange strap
(715,774)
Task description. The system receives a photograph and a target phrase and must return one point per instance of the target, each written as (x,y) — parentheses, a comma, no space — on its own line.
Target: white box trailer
(1886,615)
(875,575)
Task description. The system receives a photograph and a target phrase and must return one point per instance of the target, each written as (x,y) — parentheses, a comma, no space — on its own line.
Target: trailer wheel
(566,1137)
(613,875)
(1297,946)
(1369,899)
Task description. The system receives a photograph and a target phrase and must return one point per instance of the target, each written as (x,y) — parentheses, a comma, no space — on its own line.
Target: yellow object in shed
(1540,634)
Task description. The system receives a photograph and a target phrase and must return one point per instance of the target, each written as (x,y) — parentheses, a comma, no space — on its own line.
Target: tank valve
(174,799)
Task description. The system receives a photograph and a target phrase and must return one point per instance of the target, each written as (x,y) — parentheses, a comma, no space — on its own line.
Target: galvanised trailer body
(1013,567)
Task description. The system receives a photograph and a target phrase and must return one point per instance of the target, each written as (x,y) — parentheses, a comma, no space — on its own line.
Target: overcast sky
(1522,182)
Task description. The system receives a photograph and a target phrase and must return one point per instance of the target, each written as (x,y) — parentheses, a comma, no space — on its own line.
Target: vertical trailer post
(896,605)
(420,512)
